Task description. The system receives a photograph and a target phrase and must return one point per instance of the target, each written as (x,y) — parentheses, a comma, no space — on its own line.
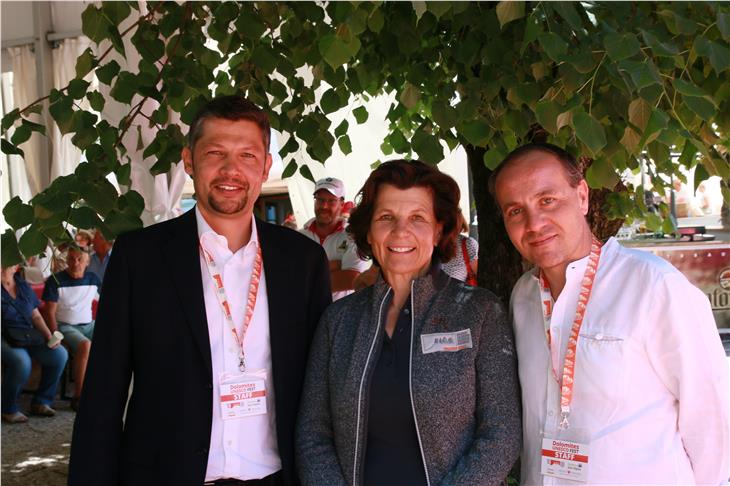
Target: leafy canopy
(614,81)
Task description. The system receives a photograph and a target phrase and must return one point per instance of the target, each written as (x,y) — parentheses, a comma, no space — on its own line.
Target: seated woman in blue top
(20,311)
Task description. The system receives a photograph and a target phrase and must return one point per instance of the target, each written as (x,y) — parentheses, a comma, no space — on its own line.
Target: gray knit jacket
(466,404)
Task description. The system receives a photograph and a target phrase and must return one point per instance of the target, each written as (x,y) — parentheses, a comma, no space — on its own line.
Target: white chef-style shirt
(338,246)
(243,448)
(651,382)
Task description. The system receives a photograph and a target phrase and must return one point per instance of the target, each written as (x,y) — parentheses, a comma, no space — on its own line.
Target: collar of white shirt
(217,245)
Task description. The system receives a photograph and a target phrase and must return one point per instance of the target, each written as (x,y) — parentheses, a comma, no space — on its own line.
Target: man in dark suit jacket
(154,324)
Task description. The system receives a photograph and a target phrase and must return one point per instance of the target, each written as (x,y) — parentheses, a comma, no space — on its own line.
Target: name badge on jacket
(446,341)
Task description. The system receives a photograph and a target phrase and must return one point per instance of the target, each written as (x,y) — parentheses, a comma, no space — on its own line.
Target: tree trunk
(500,265)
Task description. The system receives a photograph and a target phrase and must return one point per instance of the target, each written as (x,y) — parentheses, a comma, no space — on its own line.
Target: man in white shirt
(213,313)
(623,375)
(328,229)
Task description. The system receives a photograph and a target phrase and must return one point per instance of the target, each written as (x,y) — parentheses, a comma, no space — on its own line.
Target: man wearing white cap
(328,228)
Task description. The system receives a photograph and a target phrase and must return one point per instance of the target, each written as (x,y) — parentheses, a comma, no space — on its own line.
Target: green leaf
(643,73)
(601,174)
(304,170)
(342,128)
(589,131)
(77,88)
(125,87)
(17,214)
(265,59)
(398,142)
(10,149)
(568,12)
(701,106)
(507,11)
(85,63)
(131,202)
(32,242)
(62,112)
(330,101)
(687,89)
(10,119)
(94,25)
(688,154)
(553,45)
(290,169)
(493,157)
(427,147)
(84,217)
(107,72)
(621,46)
(376,20)
(361,114)
(659,48)
(476,132)
(21,134)
(121,222)
(10,252)
(345,144)
(124,174)
(334,51)
(718,54)
(547,112)
(532,30)
(116,11)
(410,96)
(657,121)
(96,100)
(723,24)
(444,114)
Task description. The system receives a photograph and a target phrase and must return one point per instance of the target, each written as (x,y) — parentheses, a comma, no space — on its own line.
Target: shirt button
(599,336)
(407,311)
(209,386)
(550,413)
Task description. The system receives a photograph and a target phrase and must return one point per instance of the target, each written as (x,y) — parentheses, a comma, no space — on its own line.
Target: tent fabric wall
(25,91)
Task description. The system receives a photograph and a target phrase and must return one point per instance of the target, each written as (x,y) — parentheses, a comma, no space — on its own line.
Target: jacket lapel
(181,254)
(276,292)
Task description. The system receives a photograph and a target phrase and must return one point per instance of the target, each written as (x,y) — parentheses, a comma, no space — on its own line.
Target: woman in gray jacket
(410,381)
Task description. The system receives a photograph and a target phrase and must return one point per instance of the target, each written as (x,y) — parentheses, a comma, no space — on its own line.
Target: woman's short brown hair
(405,174)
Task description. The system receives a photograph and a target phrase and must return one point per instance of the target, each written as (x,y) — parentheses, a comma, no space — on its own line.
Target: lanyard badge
(220,291)
(565,452)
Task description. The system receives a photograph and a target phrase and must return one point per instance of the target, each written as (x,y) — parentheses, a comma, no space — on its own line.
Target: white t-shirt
(338,246)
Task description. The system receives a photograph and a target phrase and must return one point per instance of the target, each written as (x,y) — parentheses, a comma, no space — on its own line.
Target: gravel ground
(36,452)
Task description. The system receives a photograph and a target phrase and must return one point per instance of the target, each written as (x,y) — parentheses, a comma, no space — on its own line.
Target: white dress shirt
(651,382)
(242,448)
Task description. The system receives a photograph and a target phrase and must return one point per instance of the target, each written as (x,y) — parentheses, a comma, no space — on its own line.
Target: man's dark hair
(572,168)
(405,174)
(232,108)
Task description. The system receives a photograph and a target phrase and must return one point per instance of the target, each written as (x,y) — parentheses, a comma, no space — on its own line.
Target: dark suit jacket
(151,322)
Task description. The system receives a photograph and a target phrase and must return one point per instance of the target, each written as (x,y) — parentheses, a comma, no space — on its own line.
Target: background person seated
(69,295)
(19,317)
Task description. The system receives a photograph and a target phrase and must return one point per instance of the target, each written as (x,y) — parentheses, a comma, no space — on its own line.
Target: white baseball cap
(331,185)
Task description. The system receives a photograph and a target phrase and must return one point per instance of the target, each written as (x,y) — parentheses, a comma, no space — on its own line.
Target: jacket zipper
(362,383)
(410,391)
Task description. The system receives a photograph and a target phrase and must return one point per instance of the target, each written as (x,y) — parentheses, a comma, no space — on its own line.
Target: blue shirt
(19,311)
(98,266)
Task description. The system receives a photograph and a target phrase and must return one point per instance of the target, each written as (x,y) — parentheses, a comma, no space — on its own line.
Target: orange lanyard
(586,287)
(220,292)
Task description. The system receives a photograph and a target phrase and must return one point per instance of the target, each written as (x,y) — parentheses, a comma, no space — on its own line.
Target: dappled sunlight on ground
(37,452)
